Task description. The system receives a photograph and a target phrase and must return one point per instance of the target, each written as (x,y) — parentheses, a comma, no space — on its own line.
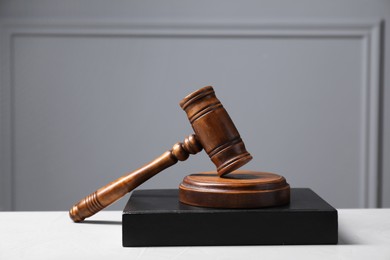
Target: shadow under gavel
(214,132)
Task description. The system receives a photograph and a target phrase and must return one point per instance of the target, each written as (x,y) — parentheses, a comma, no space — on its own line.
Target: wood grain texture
(115,190)
(239,189)
(215,130)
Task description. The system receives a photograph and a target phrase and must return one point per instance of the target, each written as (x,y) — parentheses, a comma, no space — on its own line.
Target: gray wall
(90,91)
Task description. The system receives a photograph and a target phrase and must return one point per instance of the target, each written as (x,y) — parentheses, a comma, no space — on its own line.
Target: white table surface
(363,234)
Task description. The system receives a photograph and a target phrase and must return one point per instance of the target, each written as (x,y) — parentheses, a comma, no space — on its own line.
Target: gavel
(214,132)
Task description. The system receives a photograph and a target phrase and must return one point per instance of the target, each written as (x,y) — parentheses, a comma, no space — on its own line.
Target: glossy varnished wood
(239,189)
(215,130)
(115,190)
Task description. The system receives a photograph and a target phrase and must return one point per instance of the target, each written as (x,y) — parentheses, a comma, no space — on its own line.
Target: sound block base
(239,189)
(157,218)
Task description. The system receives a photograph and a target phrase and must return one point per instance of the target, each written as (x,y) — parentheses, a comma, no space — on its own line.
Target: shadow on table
(347,239)
(102,222)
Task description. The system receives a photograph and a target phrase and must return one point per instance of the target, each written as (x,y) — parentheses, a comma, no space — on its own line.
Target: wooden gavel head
(215,130)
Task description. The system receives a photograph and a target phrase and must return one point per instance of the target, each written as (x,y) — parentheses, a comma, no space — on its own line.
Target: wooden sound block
(239,189)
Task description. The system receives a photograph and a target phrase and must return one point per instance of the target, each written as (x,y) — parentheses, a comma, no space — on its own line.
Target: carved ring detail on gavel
(214,132)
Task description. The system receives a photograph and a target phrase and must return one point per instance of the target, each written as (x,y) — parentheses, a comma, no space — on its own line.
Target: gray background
(90,91)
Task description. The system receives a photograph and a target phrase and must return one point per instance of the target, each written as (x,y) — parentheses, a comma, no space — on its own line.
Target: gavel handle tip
(73,214)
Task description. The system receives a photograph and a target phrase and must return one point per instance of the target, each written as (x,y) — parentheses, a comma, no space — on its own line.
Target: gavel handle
(115,190)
